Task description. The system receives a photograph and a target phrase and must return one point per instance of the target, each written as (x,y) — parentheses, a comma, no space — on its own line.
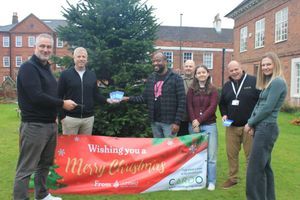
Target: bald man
(238,98)
(188,74)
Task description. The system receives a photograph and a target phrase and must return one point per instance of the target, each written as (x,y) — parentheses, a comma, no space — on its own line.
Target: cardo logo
(186,181)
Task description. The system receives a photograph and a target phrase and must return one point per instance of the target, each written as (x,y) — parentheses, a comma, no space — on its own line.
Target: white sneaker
(50,197)
(211,187)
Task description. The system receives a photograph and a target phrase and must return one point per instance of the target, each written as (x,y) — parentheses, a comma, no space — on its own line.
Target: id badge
(235,102)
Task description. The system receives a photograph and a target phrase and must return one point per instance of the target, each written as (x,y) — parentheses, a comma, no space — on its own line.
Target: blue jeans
(162,130)
(212,131)
(260,178)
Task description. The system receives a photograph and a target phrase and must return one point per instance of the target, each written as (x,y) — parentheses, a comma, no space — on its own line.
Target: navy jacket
(37,92)
(247,100)
(83,92)
(172,99)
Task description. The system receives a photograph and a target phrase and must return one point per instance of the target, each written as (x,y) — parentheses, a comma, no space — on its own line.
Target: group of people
(177,105)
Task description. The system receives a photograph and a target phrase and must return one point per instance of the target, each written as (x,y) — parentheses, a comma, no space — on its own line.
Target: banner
(111,165)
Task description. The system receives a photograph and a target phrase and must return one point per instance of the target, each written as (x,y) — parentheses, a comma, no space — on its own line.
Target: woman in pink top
(202,101)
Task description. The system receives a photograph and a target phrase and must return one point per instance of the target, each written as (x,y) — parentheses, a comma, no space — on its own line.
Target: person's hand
(175,128)
(125,99)
(113,101)
(196,129)
(69,105)
(195,123)
(224,117)
(248,129)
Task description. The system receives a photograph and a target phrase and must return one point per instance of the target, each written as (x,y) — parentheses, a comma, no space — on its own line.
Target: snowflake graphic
(61,152)
(76,139)
(170,142)
(193,149)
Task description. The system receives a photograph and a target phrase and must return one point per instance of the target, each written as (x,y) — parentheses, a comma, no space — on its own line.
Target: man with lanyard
(165,98)
(238,98)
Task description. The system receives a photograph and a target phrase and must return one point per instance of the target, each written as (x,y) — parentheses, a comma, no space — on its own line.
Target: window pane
(281,25)
(169,55)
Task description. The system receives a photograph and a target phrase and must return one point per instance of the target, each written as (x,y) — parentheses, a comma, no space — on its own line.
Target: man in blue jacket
(79,84)
(38,102)
(165,98)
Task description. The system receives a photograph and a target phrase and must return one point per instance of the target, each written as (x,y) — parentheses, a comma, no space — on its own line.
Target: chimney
(217,23)
(15,18)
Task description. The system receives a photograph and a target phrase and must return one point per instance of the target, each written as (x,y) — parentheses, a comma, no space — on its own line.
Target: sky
(195,13)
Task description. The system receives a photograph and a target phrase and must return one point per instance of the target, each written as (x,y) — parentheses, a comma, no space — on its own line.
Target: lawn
(285,162)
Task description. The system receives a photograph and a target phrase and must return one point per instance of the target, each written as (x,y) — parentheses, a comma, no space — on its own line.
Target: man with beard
(165,97)
(38,102)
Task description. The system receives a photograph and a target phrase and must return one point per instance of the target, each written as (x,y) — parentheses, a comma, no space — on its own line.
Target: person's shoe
(228,184)
(211,187)
(50,197)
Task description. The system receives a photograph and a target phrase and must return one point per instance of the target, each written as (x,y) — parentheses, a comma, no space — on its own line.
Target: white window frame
(295,78)
(260,33)
(208,59)
(187,56)
(5,41)
(31,41)
(19,42)
(59,43)
(6,61)
(169,55)
(243,39)
(18,61)
(281,25)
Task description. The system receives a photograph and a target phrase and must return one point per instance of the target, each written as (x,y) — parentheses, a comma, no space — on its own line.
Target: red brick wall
(286,50)
(216,72)
(30,26)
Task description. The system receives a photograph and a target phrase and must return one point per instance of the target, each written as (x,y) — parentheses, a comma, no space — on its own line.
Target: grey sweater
(269,103)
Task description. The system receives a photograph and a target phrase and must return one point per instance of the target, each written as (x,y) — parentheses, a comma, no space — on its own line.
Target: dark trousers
(260,179)
(37,148)
(184,128)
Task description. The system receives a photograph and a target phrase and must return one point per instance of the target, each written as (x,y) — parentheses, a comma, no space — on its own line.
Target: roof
(242,7)
(7,27)
(171,33)
(54,23)
(194,34)
(51,23)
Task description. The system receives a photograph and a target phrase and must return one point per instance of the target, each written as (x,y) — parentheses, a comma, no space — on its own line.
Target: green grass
(285,163)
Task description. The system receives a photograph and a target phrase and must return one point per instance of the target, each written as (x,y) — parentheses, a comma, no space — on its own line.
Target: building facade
(18,39)
(262,26)
(208,46)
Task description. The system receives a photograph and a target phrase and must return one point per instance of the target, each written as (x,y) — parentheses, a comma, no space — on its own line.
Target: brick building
(203,45)
(210,46)
(262,26)
(17,42)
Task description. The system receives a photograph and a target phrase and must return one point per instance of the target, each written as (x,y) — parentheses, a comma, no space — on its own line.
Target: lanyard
(239,90)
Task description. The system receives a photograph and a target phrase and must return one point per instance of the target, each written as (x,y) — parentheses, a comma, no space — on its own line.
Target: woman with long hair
(263,126)
(202,101)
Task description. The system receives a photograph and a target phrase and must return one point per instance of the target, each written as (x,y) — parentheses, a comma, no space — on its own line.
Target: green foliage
(119,36)
(289,108)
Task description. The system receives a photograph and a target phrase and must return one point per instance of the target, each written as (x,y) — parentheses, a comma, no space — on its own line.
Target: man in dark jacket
(165,97)
(238,98)
(38,102)
(79,84)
